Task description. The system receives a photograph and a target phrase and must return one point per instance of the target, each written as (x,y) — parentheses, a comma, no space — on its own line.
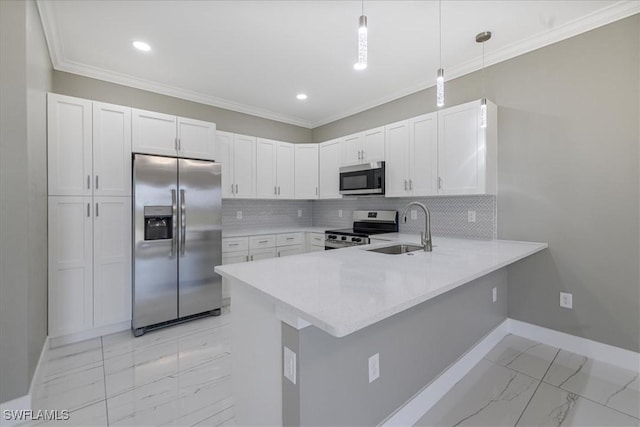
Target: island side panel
(415,346)
(256,362)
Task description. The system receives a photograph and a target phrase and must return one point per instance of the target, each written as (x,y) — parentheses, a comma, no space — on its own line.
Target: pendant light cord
(362,7)
(440,28)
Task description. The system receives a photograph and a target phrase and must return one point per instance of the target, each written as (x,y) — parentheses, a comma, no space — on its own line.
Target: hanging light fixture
(482,38)
(440,76)
(362,41)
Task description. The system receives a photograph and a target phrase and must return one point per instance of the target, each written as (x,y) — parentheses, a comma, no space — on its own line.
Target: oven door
(337,244)
(362,179)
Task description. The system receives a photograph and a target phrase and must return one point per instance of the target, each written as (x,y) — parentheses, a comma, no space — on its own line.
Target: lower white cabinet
(89,263)
(290,250)
(315,242)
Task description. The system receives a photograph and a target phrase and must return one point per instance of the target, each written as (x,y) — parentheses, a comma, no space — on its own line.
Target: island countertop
(343,291)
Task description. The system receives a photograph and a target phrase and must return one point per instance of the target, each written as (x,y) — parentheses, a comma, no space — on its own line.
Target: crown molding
(607,15)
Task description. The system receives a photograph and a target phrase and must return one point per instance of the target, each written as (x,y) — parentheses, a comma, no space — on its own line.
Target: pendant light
(440,76)
(362,41)
(482,38)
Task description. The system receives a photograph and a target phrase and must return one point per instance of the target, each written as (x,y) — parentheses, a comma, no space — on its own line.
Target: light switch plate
(238,214)
(495,294)
(566,300)
(471,216)
(374,367)
(299,213)
(289,365)
(339,213)
(414,214)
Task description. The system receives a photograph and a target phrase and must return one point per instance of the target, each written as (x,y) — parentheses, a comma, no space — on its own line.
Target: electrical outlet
(471,216)
(339,213)
(374,367)
(414,214)
(238,214)
(566,300)
(495,294)
(299,213)
(289,365)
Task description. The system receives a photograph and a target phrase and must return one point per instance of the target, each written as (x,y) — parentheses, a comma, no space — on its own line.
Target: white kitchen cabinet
(167,135)
(274,169)
(258,254)
(70,265)
(411,157)
(196,139)
(306,171)
(89,263)
(364,147)
(467,153)
(290,250)
(315,242)
(89,147)
(111,260)
(329,162)
(111,150)
(237,154)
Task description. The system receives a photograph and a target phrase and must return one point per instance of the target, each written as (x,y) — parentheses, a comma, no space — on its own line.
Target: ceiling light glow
(362,44)
(301,96)
(141,46)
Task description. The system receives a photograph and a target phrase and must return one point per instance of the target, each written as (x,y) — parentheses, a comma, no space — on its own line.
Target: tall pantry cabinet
(89,175)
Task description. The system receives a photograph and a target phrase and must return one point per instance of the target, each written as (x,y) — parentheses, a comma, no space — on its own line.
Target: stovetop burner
(365,224)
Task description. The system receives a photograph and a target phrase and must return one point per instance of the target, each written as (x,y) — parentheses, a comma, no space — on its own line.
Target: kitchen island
(331,311)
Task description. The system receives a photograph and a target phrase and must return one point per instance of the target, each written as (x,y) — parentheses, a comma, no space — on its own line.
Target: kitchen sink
(396,249)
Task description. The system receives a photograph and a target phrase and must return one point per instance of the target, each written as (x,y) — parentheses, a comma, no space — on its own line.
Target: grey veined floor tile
(601,382)
(551,406)
(528,357)
(489,395)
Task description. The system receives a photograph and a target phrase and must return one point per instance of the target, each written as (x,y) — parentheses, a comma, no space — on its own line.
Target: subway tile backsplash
(449,214)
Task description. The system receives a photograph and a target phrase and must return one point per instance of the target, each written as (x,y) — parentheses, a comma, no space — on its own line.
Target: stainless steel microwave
(364,179)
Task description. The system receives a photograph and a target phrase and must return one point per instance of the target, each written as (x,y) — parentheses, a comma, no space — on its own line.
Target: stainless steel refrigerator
(177,240)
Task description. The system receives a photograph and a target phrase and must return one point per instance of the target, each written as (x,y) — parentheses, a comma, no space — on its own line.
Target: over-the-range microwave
(363,179)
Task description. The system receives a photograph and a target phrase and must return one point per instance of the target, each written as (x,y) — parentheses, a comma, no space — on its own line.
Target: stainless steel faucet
(425,237)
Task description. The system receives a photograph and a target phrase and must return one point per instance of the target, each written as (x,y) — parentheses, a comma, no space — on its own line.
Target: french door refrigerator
(177,240)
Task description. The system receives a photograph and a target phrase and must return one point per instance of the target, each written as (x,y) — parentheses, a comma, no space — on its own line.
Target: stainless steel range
(365,224)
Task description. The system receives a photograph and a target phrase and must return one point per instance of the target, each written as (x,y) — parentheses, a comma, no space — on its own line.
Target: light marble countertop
(345,290)
(276,230)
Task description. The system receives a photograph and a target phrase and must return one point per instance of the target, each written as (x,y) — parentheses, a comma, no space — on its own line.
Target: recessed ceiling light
(301,96)
(141,46)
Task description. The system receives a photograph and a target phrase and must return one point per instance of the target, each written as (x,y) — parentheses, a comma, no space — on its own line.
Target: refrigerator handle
(174,224)
(183,223)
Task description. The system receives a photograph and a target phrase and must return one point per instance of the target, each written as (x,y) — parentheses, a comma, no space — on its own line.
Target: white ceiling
(255,56)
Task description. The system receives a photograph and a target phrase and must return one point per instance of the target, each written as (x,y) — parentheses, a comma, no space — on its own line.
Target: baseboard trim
(38,372)
(92,333)
(424,400)
(617,356)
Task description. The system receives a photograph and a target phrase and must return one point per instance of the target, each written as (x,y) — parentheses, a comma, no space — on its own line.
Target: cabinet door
(423,155)
(285,172)
(290,250)
(224,154)
(258,254)
(111,150)
(70,265)
(306,176)
(266,184)
(244,166)
(352,149)
(111,260)
(153,133)
(461,150)
(69,146)
(373,145)
(396,167)
(235,258)
(196,139)
(330,160)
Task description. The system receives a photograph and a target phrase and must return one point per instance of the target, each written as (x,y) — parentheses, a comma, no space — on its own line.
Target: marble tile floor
(181,376)
(526,383)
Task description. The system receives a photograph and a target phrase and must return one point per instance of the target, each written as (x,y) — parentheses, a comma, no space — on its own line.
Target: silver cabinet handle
(247,258)
(174,224)
(97,211)
(263,241)
(183,223)
(97,184)
(275,189)
(232,192)
(278,190)
(175,143)
(179,144)
(405,185)
(439,183)
(236,188)
(234,244)
(88,210)
(290,238)
(88,182)
(278,254)
(251,257)
(362,154)
(410,184)
(316,191)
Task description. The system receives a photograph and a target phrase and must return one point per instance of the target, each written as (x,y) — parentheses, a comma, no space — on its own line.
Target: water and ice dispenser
(158,223)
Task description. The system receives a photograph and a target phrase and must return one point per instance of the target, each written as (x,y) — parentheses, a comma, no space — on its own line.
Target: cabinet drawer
(265,241)
(289,239)
(234,257)
(233,244)
(316,239)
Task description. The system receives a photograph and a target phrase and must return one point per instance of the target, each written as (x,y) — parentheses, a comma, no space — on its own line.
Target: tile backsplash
(449,214)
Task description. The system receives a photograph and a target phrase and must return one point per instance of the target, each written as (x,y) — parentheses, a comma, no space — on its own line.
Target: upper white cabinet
(467,153)
(412,157)
(167,135)
(306,175)
(274,169)
(237,154)
(364,147)
(89,147)
(330,160)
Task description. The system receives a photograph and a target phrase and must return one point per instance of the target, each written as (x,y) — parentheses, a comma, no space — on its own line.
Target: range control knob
(344,237)
(332,237)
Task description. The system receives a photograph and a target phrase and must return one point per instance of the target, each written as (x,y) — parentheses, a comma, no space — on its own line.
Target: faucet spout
(425,237)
